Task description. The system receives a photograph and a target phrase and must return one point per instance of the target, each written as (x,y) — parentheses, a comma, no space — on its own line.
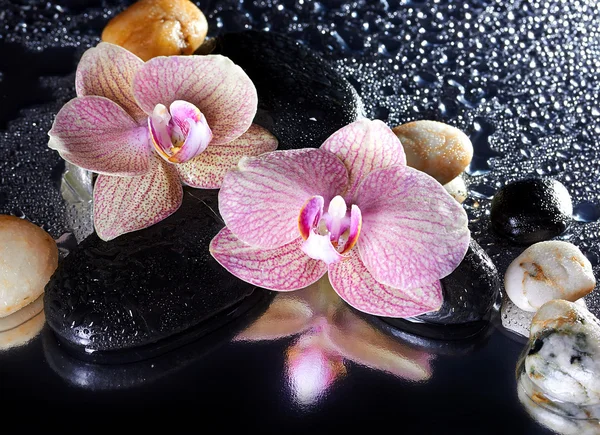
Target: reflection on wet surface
(327,333)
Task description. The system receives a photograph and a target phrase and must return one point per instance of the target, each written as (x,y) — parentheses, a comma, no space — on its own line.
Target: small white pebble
(435,148)
(457,189)
(546,271)
(28,257)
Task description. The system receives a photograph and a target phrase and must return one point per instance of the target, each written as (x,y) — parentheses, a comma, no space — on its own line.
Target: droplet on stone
(435,148)
(302,99)
(562,359)
(546,271)
(28,257)
(145,287)
(531,210)
(151,28)
(457,189)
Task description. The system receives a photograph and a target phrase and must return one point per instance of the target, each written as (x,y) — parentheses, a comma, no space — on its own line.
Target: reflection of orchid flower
(329,334)
(195,112)
(386,233)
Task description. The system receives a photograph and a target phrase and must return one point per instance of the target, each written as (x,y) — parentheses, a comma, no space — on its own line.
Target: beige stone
(435,148)
(151,28)
(28,257)
(457,188)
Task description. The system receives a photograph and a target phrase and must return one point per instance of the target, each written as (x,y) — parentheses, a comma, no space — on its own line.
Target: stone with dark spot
(143,287)
(470,293)
(302,100)
(531,210)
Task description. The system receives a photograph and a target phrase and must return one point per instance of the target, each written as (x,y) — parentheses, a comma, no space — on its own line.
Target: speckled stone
(144,286)
(531,210)
(435,148)
(302,100)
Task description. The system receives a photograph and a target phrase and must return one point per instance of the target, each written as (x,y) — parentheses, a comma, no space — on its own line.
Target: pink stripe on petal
(352,282)
(122,205)
(214,84)
(97,134)
(310,215)
(282,269)
(207,170)
(365,146)
(261,200)
(107,70)
(413,231)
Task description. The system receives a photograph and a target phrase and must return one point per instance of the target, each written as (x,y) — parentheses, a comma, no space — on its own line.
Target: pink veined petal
(320,248)
(261,200)
(97,134)
(310,215)
(206,171)
(354,230)
(282,269)
(413,231)
(125,204)
(353,283)
(365,146)
(107,70)
(214,84)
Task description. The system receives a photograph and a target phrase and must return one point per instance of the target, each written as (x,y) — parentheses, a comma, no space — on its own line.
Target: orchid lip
(329,235)
(180,133)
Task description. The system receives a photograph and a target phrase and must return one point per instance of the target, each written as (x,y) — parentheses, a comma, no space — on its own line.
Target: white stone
(435,148)
(563,359)
(457,189)
(28,257)
(546,271)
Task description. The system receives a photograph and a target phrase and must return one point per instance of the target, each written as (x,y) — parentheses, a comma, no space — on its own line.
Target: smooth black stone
(302,100)
(123,373)
(531,210)
(470,295)
(130,293)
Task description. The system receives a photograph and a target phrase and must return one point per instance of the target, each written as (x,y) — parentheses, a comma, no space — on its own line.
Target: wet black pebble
(470,293)
(144,287)
(302,100)
(531,210)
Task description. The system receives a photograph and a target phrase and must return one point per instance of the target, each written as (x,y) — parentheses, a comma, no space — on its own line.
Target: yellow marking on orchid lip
(353,242)
(158,149)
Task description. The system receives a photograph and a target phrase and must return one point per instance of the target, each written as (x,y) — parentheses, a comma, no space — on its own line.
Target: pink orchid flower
(146,128)
(385,232)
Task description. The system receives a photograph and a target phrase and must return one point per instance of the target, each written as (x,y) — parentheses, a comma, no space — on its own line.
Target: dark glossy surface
(302,99)
(531,210)
(519,77)
(144,286)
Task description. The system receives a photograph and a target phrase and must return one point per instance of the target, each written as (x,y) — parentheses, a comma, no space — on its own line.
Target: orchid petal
(365,146)
(122,205)
(413,231)
(260,202)
(97,134)
(282,269)
(320,248)
(107,70)
(353,283)
(214,84)
(310,214)
(206,171)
